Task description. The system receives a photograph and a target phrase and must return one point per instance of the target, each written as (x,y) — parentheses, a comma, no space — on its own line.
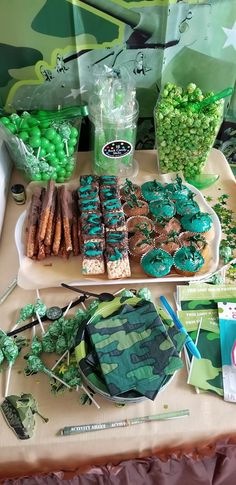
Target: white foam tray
(53,271)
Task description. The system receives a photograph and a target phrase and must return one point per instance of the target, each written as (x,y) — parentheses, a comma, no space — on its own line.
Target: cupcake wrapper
(143,220)
(156,276)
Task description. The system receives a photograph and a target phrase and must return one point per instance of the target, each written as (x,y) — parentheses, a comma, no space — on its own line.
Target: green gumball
(72,142)
(34,142)
(23,135)
(5,120)
(45,176)
(71,150)
(37,177)
(11,127)
(50,133)
(35,132)
(44,142)
(60,180)
(74,132)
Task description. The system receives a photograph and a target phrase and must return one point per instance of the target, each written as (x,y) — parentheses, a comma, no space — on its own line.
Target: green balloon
(35,142)
(50,133)
(23,135)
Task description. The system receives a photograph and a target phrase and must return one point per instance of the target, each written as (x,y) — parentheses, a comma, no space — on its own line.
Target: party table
(47,451)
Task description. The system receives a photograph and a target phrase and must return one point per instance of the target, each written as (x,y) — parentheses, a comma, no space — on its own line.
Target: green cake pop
(61,345)
(40,308)
(10,350)
(1,357)
(145,294)
(26,312)
(48,345)
(36,346)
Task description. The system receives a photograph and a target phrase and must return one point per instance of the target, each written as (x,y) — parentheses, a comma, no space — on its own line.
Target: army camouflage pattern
(206,373)
(19,412)
(134,350)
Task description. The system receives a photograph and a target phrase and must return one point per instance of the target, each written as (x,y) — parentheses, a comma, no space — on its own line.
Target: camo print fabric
(134,350)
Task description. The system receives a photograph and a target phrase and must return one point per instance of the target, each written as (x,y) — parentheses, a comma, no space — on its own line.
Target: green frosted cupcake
(177,190)
(188,261)
(162,210)
(200,222)
(157,263)
(187,207)
(152,190)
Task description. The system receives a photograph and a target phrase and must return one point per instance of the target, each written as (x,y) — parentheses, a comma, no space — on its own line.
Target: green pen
(86,428)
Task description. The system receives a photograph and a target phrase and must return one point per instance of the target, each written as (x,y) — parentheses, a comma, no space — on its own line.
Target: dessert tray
(53,271)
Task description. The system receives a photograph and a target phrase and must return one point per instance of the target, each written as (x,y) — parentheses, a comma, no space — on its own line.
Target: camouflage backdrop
(49,47)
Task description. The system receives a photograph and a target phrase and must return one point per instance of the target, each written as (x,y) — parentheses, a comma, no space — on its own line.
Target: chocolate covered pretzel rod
(35,207)
(58,226)
(66,218)
(75,229)
(50,226)
(46,207)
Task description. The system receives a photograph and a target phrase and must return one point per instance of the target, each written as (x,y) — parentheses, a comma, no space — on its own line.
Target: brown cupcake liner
(150,276)
(136,211)
(143,220)
(183,272)
(137,192)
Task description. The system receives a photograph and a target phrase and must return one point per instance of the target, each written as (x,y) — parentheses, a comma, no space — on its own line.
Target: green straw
(212,99)
(86,428)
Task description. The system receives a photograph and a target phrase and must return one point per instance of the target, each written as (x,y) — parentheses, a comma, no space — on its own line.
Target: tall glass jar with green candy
(184,136)
(113,141)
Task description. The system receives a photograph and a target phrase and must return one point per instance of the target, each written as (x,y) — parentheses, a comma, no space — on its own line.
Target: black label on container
(117,149)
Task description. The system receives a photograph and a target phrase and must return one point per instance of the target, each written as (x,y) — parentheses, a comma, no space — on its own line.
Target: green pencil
(86,428)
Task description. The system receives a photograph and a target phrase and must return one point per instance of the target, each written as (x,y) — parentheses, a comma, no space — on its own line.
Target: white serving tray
(53,271)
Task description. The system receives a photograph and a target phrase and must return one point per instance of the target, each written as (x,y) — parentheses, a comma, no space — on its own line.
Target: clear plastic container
(113,142)
(184,137)
(43,146)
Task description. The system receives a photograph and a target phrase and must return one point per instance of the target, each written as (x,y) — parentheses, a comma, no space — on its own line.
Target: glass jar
(184,137)
(113,142)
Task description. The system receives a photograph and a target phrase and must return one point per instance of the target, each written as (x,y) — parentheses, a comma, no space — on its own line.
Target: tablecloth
(210,417)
